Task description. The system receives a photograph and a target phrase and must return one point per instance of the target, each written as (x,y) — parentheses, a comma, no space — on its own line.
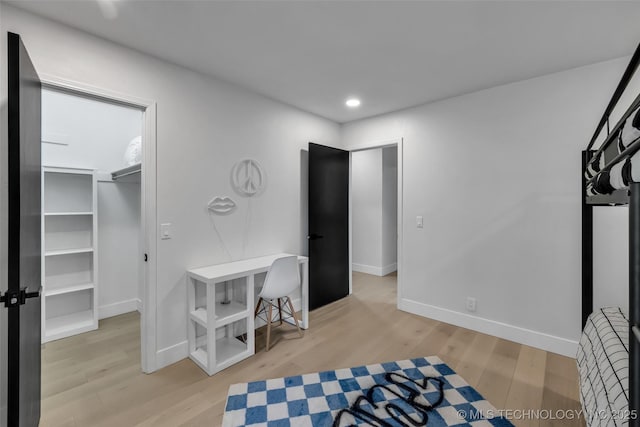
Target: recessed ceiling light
(353,102)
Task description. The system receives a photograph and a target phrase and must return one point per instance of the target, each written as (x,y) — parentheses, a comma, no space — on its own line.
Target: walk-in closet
(91,220)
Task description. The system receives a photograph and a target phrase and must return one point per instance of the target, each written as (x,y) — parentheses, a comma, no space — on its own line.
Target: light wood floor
(94,379)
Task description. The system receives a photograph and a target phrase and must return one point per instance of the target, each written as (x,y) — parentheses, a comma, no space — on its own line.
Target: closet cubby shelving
(69,246)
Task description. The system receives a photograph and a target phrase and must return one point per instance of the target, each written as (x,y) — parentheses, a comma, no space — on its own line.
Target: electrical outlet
(419,221)
(471,304)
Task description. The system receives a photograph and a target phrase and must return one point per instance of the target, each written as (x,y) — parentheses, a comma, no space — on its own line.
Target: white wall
(389,209)
(91,134)
(119,252)
(496,175)
(374,205)
(611,257)
(96,133)
(204,126)
(366,205)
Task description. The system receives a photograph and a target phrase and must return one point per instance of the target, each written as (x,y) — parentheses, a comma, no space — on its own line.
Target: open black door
(328,225)
(22,298)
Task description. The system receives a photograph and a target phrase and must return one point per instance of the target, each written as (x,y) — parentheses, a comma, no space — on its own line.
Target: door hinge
(14,298)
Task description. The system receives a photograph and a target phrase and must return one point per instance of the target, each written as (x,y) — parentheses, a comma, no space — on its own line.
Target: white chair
(282,279)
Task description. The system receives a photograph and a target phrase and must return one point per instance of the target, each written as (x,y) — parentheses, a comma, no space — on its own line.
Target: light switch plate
(419,221)
(165,231)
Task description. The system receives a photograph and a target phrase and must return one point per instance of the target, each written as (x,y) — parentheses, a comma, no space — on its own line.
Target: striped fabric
(603,367)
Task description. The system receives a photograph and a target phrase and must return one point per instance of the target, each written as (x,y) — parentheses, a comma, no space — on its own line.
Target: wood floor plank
(477,355)
(526,390)
(94,379)
(497,375)
(560,396)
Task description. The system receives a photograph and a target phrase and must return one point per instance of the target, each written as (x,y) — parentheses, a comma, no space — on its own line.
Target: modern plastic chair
(282,279)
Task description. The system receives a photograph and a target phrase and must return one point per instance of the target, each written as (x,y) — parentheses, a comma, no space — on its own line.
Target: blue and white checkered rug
(417,392)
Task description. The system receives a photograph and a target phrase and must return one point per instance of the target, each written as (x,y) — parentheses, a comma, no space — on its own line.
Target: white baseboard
(118,308)
(520,335)
(139,305)
(389,269)
(374,270)
(172,354)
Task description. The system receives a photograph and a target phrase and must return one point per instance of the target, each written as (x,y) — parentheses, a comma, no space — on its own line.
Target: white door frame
(395,142)
(148,325)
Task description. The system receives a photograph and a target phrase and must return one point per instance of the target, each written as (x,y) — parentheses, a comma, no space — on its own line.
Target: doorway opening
(96,203)
(375,198)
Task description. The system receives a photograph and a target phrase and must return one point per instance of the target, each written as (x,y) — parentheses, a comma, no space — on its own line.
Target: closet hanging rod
(126,172)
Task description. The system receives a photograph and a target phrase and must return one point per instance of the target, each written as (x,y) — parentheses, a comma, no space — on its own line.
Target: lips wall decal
(222,205)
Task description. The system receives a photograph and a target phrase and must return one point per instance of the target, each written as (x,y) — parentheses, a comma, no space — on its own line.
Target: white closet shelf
(68,251)
(71,324)
(72,171)
(67,213)
(68,289)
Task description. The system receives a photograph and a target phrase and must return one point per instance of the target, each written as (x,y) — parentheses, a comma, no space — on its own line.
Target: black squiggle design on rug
(395,412)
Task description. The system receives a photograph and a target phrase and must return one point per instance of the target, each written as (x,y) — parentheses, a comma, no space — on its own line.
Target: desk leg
(251,326)
(305,295)
(211,328)
(191,306)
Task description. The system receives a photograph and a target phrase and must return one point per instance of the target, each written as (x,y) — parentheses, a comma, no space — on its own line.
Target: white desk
(218,347)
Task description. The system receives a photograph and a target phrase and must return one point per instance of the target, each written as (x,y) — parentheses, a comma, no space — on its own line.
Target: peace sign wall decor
(248,179)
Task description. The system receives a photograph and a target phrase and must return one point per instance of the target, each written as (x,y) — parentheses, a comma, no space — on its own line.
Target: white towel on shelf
(615,176)
(591,171)
(629,132)
(635,167)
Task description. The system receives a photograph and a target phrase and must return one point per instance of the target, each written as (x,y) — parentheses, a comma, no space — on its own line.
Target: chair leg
(255,313)
(269,325)
(280,310)
(293,314)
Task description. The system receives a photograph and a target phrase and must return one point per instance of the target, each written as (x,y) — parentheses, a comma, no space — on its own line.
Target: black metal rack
(630,197)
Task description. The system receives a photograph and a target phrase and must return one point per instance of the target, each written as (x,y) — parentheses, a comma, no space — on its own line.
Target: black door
(22,298)
(328,225)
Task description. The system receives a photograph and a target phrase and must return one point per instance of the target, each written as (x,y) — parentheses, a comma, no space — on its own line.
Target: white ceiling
(391,54)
